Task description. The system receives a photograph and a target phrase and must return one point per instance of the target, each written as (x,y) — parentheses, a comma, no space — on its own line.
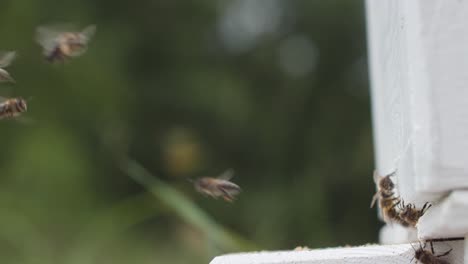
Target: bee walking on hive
(428,257)
(385,187)
(386,196)
(61,45)
(218,187)
(410,215)
(13,107)
(5,61)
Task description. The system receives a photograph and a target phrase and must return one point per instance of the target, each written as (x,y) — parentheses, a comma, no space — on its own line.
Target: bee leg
(227,196)
(445,254)
(425,208)
(391,174)
(227,199)
(401,204)
(421,246)
(432,247)
(396,204)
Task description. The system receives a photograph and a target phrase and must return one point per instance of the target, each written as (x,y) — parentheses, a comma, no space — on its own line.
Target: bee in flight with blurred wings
(218,187)
(5,60)
(60,45)
(12,107)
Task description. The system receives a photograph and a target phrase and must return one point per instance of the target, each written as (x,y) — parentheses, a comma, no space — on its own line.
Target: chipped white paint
(363,255)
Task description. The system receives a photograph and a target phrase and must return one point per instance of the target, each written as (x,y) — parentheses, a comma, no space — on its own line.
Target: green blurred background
(275,89)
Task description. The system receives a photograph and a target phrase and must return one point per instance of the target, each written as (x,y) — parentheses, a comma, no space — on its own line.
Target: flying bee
(428,257)
(218,187)
(60,45)
(13,107)
(410,215)
(5,61)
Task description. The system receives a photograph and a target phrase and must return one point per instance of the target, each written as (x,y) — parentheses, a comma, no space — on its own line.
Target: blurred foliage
(276,89)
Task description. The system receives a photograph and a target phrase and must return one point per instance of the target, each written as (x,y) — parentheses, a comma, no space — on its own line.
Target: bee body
(13,107)
(388,207)
(5,61)
(427,257)
(62,45)
(218,187)
(385,194)
(5,76)
(385,188)
(410,215)
(55,55)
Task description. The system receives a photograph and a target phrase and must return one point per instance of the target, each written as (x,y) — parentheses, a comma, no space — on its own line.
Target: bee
(218,187)
(61,45)
(427,257)
(5,61)
(389,210)
(410,215)
(13,107)
(385,187)
(387,201)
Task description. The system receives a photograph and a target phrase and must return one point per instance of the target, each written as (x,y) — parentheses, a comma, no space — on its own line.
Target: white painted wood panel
(447,218)
(419,63)
(353,255)
(419,76)
(440,36)
(390,93)
(397,234)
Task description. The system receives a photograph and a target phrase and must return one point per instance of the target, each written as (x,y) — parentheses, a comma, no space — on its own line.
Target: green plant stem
(104,227)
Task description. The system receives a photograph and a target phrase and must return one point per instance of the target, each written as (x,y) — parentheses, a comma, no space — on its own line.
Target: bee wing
(230,187)
(47,37)
(227,175)
(229,190)
(85,36)
(374,199)
(7,58)
(88,32)
(377,177)
(5,76)
(3,99)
